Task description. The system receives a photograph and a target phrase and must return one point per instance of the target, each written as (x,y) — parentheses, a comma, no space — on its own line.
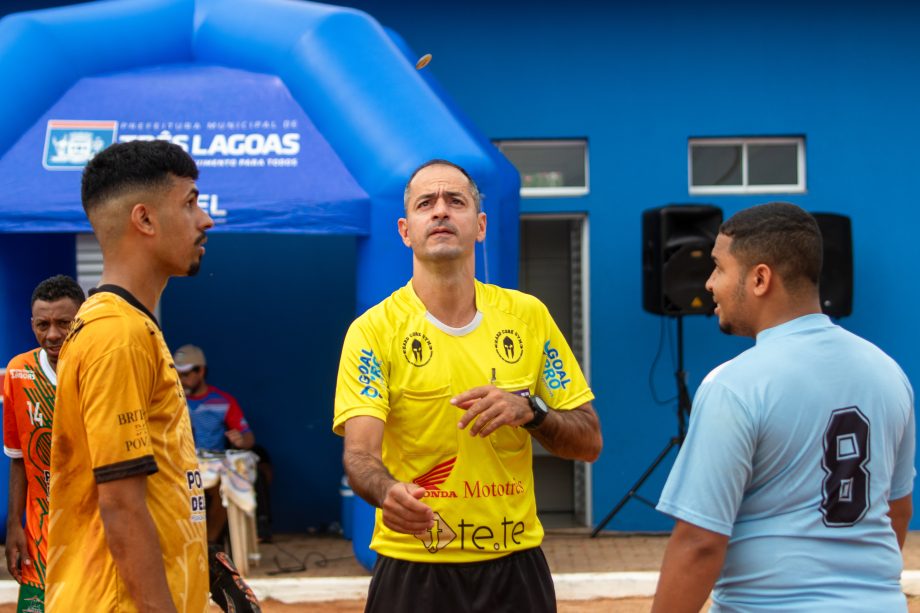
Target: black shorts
(516,583)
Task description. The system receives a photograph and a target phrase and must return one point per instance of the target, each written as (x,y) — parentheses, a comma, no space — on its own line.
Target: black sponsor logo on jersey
(417,349)
(438,536)
(75,328)
(193,479)
(509,346)
(491,536)
(141,442)
(130,417)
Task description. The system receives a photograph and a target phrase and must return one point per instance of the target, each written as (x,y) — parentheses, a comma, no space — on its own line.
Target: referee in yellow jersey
(127,519)
(441,389)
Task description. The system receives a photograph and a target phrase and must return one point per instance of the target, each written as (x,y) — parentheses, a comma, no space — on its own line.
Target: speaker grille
(677,243)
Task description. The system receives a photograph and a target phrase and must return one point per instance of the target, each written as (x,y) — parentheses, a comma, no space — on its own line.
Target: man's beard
(194,267)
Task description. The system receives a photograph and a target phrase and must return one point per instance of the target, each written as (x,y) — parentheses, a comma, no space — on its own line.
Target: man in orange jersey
(28,410)
(127,520)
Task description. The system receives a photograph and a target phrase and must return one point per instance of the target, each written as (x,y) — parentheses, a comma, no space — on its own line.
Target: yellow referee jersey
(403,366)
(121,412)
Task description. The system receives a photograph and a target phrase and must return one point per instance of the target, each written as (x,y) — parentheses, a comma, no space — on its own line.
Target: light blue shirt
(794,449)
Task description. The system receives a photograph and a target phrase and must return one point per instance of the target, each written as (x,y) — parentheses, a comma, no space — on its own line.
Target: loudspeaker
(677,242)
(836,284)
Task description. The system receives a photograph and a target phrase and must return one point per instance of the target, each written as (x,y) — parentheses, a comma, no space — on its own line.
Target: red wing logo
(436,476)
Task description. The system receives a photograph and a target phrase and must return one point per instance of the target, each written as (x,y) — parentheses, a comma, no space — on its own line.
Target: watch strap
(540,411)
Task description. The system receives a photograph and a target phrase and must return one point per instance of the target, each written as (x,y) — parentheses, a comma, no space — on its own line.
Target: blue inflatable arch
(351,77)
(354,80)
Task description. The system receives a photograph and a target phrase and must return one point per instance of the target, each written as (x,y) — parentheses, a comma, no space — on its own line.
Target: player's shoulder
(744,367)
(106,311)
(868,348)
(391,313)
(105,322)
(509,301)
(219,394)
(718,373)
(21,361)
(872,358)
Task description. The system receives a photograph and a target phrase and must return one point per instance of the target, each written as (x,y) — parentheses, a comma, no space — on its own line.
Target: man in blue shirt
(216,421)
(216,415)
(792,489)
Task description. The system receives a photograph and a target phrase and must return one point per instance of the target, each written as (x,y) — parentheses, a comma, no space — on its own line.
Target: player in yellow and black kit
(440,389)
(127,521)
(120,394)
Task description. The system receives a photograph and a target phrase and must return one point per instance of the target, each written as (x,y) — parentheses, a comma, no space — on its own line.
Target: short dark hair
(474,189)
(57,287)
(133,165)
(780,235)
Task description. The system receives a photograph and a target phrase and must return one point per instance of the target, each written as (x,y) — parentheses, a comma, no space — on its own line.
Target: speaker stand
(683,413)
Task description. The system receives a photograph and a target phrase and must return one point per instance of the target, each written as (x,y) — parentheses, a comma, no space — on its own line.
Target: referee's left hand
(488,408)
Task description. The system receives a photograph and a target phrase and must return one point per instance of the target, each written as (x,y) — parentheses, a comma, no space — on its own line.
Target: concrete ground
(319,573)
(567,551)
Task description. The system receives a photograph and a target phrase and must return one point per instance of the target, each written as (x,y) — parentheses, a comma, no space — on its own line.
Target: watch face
(539,405)
(540,410)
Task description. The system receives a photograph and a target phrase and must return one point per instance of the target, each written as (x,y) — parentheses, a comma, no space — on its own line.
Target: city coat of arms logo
(70,144)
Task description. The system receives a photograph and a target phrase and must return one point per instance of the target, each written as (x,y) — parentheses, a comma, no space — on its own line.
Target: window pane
(547,163)
(773,165)
(716,164)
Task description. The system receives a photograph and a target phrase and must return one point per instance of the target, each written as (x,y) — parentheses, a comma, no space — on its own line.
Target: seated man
(216,421)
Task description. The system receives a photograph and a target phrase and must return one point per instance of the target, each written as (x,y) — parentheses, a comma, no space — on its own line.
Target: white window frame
(744,188)
(585,363)
(551,192)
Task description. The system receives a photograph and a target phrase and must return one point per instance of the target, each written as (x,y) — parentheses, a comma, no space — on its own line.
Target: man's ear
(481,231)
(762,277)
(403,227)
(142,219)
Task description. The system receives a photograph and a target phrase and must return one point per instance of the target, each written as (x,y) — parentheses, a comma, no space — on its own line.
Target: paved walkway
(316,569)
(567,551)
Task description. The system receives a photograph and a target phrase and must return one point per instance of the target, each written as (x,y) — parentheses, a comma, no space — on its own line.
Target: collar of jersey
(799,324)
(443,327)
(127,297)
(440,325)
(46,367)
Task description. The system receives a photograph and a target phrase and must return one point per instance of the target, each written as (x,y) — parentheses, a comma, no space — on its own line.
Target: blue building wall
(637,80)
(25,261)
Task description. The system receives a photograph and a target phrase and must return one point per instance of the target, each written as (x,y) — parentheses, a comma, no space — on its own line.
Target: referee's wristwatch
(540,411)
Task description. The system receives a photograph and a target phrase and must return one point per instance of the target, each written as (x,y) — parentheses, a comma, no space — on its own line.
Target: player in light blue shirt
(792,488)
